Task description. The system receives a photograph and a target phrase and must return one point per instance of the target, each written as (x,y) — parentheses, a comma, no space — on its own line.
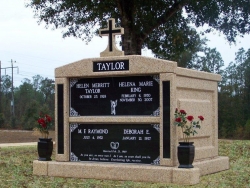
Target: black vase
(45,148)
(185,153)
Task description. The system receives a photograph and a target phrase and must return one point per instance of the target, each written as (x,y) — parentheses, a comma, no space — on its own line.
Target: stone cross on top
(111,31)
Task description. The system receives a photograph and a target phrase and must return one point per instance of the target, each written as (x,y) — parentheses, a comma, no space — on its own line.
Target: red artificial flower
(178,119)
(41,122)
(190,118)
(183,112)
(176,110)
(201,118)
(48,118)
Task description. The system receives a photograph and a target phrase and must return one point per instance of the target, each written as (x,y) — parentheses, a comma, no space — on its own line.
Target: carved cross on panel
(111,31)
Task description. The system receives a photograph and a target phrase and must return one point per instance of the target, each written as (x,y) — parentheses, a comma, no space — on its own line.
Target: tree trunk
(131,44)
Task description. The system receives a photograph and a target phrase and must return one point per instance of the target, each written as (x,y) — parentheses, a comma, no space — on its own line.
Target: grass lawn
(16,171)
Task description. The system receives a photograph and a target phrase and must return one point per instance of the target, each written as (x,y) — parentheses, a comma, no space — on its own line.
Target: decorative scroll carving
(73,113)
(73,157)
(156,112)
(156,161)
(73,81)
(73,126)
(157,127)
(156,78)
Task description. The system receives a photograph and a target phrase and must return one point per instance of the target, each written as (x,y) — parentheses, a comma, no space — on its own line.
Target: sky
(36,50)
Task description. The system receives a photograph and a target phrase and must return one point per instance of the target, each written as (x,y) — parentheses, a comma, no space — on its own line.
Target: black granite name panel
(60,118)
(123,143)
(118,65)
(166,119)
(133,95)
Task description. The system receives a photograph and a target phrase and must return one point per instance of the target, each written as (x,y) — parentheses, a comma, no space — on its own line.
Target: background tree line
(30,98)
(234,98)
(36,95)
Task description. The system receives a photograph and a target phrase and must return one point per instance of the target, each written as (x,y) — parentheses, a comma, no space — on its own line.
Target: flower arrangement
(44,123)
(187,123)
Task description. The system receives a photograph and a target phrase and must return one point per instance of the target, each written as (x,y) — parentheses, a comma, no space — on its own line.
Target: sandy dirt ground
(20,136)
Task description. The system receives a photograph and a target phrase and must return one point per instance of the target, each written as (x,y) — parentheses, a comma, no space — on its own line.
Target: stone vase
(45,148)
(185,153)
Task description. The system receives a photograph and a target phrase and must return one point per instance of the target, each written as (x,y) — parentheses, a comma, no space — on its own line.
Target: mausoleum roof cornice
(197,74)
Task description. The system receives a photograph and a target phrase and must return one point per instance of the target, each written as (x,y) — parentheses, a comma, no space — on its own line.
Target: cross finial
(111,31)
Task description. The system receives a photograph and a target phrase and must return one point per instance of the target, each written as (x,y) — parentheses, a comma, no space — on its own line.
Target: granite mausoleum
(114,119)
